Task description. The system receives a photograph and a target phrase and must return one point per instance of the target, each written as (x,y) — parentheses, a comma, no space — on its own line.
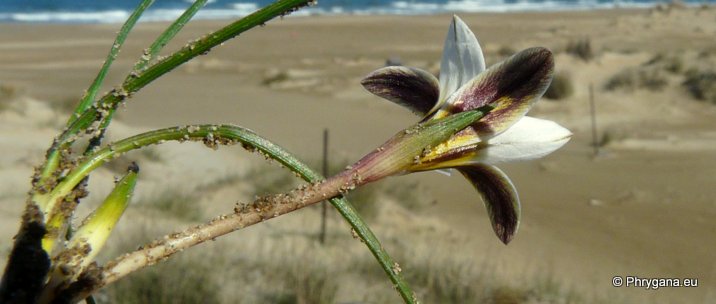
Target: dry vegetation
(184,279)
(174,203)
(561,87)
(8,93)
(64,105)
(280,261)
(631,79)
(283,262)
(697,77)
(702,85)
(580,48)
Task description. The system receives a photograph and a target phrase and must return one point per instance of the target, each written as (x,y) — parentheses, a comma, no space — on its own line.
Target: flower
(504,134)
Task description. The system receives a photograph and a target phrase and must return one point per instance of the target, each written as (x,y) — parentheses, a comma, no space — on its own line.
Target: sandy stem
(244,215)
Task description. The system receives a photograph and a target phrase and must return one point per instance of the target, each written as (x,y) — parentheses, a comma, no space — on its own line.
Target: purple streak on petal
(500,198)
(513,86)
(413,88)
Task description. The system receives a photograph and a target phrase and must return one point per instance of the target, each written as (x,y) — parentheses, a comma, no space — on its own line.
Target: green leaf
(226,134)
(150,53)
(91,93)
(97,227)
(90,237)
(196,48)
(53,155)
(134,82)
(168,35)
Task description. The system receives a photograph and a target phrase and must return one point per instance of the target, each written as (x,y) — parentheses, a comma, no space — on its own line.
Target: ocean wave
(118,16)
(82,17)
(227,9)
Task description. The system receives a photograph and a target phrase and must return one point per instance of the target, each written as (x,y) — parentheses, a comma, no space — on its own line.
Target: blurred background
(632,194)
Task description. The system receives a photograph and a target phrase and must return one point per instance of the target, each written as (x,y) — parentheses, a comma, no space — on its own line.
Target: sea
(113,11)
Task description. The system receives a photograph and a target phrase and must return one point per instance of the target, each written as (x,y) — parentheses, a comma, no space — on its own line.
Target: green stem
(91,93)
(90,237)
(149,54)
(53,155)
(209,41)
(396,155)
(352,216)
(196,48)
(223,134)
(153,50)
(137,81)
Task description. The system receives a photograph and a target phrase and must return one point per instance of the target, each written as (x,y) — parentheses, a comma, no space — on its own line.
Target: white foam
(402,7)
(246,7)
(416,6)
(89,17)
(118,16)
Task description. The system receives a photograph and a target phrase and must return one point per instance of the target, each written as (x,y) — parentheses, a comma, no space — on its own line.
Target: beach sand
(644,206)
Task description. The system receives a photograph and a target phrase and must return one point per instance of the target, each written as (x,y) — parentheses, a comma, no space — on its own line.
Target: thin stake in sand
(324,208)
(593,116)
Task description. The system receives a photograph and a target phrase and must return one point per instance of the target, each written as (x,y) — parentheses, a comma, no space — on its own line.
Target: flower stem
(243,216)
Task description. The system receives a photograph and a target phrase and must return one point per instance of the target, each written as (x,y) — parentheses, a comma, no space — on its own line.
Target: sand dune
(644,206)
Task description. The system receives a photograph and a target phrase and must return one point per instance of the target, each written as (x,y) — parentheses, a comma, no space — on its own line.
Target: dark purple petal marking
(416,89)
(512,86)
(500,197)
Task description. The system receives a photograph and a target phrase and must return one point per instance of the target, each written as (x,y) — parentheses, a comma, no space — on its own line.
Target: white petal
(529,138)
(462,59)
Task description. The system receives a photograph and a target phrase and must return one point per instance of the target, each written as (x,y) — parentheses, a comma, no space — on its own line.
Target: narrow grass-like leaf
(168,34)
(223,134)
(97,227)
(91,93)
(361,229)
(53,155)
(135,81)
(149,54)
(397,154)
(228,134)
(91,236)
(191,50)
(85,115)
